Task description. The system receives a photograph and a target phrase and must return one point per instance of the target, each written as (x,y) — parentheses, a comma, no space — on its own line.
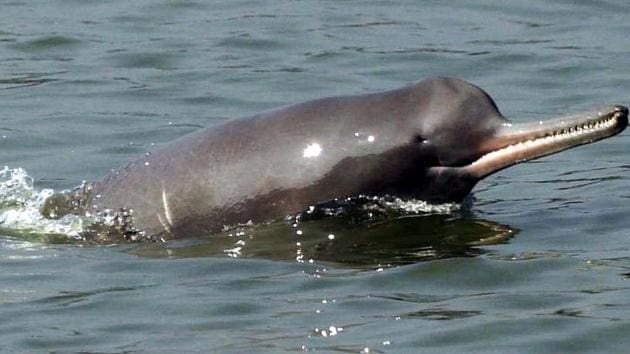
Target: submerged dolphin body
(433,141)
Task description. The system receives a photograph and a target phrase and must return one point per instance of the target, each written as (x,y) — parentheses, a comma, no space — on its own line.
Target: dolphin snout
(623,110)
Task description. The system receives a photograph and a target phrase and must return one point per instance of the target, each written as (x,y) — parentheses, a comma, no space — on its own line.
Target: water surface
(87,85)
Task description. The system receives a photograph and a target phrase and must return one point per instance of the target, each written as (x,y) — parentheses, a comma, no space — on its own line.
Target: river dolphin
(433,141)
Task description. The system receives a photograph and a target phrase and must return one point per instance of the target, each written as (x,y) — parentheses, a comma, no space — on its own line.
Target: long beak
(514,143)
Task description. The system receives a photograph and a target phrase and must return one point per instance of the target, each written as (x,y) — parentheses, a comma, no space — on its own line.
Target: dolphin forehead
(456,117)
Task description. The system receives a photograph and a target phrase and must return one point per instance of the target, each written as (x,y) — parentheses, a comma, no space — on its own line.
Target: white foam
(16,186)
(20,205)
(420,206)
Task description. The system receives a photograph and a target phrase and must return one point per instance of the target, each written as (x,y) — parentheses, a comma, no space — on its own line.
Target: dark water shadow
(25,80)
(394,241)
(364,232)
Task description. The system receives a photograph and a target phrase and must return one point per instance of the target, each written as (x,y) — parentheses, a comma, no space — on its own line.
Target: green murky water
(87,85)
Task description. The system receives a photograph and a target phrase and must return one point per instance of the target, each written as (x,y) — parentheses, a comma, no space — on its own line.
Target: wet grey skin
(433,141)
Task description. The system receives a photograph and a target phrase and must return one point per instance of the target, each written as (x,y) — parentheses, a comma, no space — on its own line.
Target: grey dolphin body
(433,141)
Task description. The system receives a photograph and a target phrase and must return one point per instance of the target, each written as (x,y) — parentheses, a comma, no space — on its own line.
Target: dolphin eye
(417,139)
(426,151)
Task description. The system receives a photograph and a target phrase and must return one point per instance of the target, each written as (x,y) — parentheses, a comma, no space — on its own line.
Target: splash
(21,213)
(20,205)
(373,208)
(414,206)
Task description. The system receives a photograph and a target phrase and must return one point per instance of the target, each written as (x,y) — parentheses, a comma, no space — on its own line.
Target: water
(87,85)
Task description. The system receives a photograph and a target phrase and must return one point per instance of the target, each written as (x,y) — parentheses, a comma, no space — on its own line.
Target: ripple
(531,24)
(248,16)
(181,5)
(366,24)
(25,80)
(511,41)
(66,298)
(46,43)
(245,41)
(282,69)
(356,244)
(438,50)
(440,314)
(161,61)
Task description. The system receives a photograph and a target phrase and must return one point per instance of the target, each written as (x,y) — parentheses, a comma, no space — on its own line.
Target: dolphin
(432,141)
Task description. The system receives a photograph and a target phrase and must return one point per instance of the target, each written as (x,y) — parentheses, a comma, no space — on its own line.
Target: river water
(85,86)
